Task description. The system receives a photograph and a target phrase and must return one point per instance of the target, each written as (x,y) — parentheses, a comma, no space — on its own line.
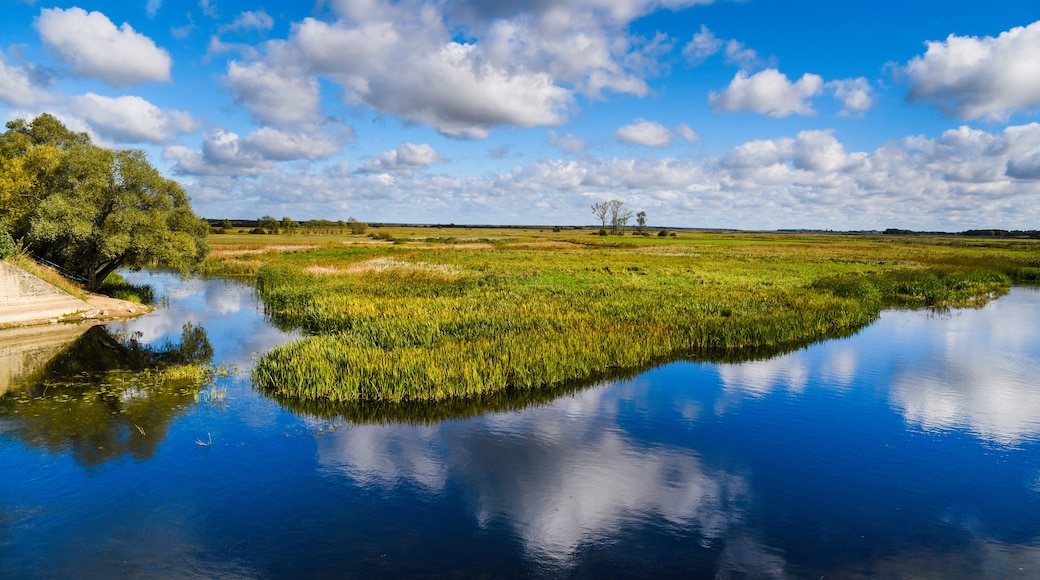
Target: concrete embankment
(26,299)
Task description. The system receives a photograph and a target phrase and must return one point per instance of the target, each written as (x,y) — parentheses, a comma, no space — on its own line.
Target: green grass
(468,314)
(117,287)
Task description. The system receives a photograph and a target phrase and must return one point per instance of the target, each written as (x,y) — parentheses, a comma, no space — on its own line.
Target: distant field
(445,313)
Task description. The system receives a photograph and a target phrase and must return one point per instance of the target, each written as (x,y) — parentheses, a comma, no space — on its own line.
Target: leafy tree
(356,227)
(268,224)
(33,164)
(90,209)
(288,225)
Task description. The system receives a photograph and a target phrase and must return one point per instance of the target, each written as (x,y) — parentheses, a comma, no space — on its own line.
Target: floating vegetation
(394,324)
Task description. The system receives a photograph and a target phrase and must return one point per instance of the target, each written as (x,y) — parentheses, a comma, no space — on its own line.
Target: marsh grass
(451,321)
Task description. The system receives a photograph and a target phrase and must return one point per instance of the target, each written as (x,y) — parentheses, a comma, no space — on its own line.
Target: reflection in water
(799,466)
(978,372)
(24,351)
(104,396)
(562,476)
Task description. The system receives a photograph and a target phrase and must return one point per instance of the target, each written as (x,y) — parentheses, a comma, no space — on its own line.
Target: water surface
(909,449)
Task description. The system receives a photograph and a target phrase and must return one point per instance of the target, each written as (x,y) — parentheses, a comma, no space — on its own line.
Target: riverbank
(28,300)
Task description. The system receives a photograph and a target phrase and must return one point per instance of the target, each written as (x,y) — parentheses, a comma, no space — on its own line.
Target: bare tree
(600,210)
(618,216)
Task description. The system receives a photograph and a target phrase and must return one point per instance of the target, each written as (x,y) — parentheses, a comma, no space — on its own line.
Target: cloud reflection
(977,371)
(561,476)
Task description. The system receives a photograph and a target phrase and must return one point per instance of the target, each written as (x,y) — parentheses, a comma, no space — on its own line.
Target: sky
(754,115)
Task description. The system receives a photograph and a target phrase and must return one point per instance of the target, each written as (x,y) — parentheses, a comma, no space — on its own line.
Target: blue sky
(758,114)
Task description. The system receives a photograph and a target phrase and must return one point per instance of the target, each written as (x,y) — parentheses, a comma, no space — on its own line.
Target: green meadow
(426,314)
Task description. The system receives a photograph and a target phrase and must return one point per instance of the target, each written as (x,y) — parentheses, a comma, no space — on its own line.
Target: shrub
(7,245)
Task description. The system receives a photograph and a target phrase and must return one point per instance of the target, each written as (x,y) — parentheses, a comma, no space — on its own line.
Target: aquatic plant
(421,322)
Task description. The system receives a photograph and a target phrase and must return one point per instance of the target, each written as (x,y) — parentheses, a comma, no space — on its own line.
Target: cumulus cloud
(965,178)
(223,153)
(451,86)
(92,44)
(971,77)
(521,64)
(279,96)
(276,145)
(768,92)
(406,158)
(854,94)
(19,86)
(645,133)
(132,119)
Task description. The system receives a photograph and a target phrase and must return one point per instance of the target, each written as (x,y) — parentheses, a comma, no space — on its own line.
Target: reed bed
(454,321)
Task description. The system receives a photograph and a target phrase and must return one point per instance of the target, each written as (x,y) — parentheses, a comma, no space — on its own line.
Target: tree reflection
(105,396)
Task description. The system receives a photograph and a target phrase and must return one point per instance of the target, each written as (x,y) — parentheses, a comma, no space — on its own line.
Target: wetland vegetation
(464,313)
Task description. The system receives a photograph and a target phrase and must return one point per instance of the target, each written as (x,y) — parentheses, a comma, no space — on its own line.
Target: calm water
(910,449)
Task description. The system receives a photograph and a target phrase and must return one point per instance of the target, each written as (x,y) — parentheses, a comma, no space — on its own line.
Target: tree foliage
(93,210)
(356,227)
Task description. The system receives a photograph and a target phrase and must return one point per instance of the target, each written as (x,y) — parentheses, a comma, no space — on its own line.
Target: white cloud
(741,55)
(223,153)
(249,20)
(18,87)
(208,8)
(280,96)
(453,87)
(406,158)
(132,119)
(569,142)
(152,7)
(768,92)
(520,65)
(963,179)
(276,145)
(971,77)
(92,44)
(703,45)
(683,130)
(854,94)
(645,133)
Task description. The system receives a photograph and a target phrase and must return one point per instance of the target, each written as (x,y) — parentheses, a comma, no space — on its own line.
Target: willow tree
(93,210)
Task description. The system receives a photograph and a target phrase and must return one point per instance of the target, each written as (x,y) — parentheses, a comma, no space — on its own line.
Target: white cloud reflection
(978,373)
(561,476)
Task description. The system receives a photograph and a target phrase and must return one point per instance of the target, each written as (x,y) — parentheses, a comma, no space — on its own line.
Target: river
(909,449)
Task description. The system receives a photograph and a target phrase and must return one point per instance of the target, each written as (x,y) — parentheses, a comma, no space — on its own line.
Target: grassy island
(412,316)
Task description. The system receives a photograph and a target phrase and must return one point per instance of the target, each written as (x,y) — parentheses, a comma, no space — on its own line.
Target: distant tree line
(269,225)
(991,233)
